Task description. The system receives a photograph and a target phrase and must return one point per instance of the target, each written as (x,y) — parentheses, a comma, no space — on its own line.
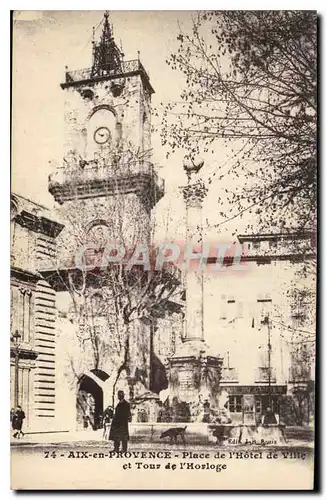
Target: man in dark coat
(269,418)
(17,421)
(119,425)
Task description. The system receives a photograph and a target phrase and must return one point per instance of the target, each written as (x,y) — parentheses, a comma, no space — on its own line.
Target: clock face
(102,135)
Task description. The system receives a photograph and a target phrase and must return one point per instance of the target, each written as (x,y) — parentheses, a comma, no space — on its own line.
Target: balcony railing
(264,374)
(102,177)
(87,73)
(100,170)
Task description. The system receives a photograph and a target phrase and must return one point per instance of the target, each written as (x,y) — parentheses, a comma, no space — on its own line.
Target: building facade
(33,313)
(260,317)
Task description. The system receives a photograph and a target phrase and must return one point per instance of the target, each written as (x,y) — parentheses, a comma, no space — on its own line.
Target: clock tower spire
(107,57)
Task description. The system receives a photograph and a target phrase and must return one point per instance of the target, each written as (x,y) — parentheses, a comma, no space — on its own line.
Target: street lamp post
(266,321)
(269,360)
(16,341)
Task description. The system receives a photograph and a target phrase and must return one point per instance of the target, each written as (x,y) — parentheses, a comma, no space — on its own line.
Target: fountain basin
(247,434)
(202,433)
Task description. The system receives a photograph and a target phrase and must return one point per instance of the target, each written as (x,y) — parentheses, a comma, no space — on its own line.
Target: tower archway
(89,401)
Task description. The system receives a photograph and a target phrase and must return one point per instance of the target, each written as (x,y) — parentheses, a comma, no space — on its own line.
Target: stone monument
(194,372)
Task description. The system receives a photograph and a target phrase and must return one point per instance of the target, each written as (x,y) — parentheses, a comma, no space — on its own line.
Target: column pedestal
(194,375)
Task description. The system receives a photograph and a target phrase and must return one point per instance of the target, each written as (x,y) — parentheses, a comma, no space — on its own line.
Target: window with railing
(228,373)
(299,374)
(231,309)
(264,374)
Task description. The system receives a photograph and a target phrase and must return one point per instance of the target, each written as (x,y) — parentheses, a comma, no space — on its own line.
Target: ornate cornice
(39,224)
(23,353)
(24,275)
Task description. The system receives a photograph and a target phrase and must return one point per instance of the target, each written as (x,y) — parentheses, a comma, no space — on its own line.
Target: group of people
(116,420)
(115,423)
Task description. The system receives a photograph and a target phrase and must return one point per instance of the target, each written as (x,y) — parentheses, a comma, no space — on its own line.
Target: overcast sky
(44,43)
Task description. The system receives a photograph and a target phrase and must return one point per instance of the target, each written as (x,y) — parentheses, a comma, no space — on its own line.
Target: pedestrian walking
(17,422)
(106,420)
(119,426)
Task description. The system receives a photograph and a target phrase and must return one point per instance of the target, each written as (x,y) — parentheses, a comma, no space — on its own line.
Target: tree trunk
(109,387)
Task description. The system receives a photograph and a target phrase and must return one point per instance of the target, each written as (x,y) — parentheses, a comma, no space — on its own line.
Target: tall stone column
(194,193)
(194,373)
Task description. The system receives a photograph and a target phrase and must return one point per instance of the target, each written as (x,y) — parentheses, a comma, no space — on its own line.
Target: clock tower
(106,187)
(107,178)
